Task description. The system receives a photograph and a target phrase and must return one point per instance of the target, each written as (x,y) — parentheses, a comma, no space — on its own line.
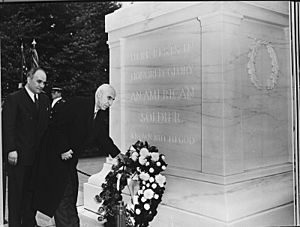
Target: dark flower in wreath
(123,180)
(98,199)
(101,210)
(153,149)
(104,185)
(110,174)
(146,144)
(138,145)
(106,197)
(101,218)
(118,196)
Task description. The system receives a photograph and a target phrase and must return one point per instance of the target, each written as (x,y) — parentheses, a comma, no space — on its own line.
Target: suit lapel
(43,106)
(28,102)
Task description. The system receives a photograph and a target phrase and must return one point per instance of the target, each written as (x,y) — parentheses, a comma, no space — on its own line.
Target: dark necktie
(36,101)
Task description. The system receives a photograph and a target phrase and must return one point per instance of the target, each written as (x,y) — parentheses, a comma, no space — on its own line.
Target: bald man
(80,125)
(25,118)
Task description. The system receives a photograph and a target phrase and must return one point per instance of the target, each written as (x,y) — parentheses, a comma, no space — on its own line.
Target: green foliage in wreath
(142,164)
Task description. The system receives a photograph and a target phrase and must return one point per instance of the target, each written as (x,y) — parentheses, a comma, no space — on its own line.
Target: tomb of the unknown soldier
(209,84)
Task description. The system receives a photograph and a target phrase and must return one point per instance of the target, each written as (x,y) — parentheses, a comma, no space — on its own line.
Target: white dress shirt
(31,94)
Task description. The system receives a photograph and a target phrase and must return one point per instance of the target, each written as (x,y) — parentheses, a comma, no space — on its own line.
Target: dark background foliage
(71,43)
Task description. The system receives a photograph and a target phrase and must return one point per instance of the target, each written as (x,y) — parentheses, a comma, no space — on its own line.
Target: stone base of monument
(241,200)
(90,191)
(261,197)
(93,187)
(173,217)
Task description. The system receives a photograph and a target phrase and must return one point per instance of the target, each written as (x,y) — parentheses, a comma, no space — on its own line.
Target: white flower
(151,179)
(142,160)
(163,167)
(134,156)
(160,179)
(135,199)
(143,199)
(147,163)
(154,156)
(163,157)
(140,192)
(130,206)
(132,220)
(154,185)
(144,176)
(144,152)
(132,148)
(156,196)
(137,211)
(151,170)
(147,185)
(147,206)
(148,194)
(135,177)
(158,163)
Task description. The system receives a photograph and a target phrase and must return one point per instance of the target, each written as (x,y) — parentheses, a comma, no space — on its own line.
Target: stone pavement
(87,219)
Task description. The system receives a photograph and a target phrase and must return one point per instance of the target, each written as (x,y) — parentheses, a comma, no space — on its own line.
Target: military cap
(56,89)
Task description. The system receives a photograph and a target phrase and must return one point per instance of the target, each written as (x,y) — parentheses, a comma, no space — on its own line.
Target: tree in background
(71,43)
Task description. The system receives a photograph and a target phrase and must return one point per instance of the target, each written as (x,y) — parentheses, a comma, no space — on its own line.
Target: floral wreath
(272,81)
(142,165)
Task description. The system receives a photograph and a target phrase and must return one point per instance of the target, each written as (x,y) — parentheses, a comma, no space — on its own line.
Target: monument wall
(209,84)
(161,92)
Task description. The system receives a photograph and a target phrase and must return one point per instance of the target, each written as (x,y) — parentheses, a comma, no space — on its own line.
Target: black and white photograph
(149,113)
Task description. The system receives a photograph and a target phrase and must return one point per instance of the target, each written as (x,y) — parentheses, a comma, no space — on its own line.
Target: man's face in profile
(106,98)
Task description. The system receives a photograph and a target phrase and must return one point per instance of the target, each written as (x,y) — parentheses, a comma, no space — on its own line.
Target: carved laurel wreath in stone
(272,80)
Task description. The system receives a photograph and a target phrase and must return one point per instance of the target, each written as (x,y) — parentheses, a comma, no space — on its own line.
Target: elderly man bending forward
(78,126)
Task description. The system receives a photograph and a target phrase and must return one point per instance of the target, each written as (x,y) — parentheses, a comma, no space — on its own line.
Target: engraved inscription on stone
(169,50)
(184,93)
(161,83)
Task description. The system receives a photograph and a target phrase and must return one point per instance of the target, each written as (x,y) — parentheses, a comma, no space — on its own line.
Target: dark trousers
(66,214)
(4,188)
(20,212)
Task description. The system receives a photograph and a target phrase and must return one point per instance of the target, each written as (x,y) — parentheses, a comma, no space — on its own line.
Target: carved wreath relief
(272,80)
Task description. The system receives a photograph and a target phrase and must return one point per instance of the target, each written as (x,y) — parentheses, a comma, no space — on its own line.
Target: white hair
(102,88)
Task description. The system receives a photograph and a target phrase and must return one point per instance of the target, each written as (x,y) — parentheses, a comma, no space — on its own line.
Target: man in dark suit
(80,125)
(25,118)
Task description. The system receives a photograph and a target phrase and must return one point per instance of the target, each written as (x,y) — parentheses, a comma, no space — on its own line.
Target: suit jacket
(56,109)
(73,128)
(24,125)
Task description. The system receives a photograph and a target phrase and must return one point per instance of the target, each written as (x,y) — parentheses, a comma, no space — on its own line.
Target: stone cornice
(136,17)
